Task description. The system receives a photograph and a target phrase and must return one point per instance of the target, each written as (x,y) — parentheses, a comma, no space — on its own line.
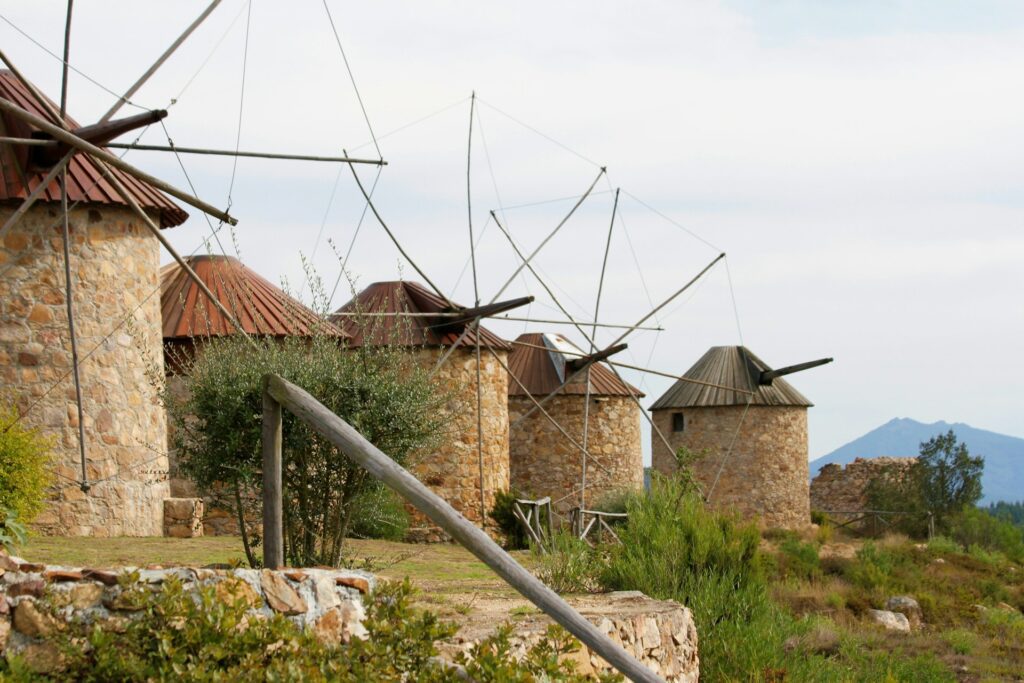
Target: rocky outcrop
(891,621)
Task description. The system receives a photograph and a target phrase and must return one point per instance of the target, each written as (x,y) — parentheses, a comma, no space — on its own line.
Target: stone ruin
(844,489)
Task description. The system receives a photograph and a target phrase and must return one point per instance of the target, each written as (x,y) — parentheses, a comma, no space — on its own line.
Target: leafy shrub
(509,525)
(674,548)
(873,568)
(976,528)
(24,465)
(12,531)
(943,545)
(818,517)
(961,641)
(570,565)
(180,635)
(381,514)
(800,559)
(380,391)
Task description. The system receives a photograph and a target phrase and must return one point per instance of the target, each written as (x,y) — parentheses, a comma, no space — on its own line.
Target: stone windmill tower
(748,427)
(543,461)
(408,314)
(109,465)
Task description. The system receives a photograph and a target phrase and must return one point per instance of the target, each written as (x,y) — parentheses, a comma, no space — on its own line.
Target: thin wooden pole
(593,348)
(273,524)
(159,62)
(104,156)
(254,155)
(547,239)
(66,240)
(670,299)
(355,446)
(394,240)
(67,56)
(457,314)
(543,412)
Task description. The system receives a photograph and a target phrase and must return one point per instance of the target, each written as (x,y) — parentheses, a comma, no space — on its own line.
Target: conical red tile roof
(401,296)
(538,361)
(85,181)
(260,307)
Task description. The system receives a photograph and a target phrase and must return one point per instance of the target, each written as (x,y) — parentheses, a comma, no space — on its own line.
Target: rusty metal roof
(85,181)
(384,299)
(260,307)
(729,366)
(542,370)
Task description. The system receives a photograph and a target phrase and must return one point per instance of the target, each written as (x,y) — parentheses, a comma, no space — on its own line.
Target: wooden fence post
(273,525)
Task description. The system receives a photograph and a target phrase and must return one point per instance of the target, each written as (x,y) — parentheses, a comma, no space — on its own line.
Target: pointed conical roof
(260,307)
(729,366)
(538,360)
(381,300)
(86,183)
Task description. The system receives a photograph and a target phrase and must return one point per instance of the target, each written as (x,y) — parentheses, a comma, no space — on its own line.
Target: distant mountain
(1003,478)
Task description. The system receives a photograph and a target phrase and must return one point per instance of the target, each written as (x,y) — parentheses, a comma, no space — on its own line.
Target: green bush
(381,391)
(25,456)
(509,525)
(381,514)
(976,528)
(799,559)
(182,636)
(569,565)
(674,548)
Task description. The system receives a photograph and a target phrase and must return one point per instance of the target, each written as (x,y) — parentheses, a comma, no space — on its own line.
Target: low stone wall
(36,600)
(844,489)
(659,633)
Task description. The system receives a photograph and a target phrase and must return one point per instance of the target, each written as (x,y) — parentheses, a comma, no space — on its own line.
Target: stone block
(183,517)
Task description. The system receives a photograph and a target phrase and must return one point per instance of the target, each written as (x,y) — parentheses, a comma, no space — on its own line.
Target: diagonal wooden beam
(157,64)
(547,239)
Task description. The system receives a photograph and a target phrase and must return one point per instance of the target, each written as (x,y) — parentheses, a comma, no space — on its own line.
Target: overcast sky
(860,164)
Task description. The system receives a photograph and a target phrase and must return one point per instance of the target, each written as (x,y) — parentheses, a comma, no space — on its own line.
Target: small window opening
(678,422)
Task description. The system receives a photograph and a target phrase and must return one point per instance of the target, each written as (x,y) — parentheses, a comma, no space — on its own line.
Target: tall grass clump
(674,548)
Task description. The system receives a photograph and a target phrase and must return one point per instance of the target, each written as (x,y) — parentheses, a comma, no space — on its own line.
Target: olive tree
(379,390)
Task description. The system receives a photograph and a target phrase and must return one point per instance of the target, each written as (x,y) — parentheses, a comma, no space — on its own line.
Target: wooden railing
(279,393)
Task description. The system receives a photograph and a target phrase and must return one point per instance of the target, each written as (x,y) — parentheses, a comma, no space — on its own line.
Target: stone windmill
(748,429)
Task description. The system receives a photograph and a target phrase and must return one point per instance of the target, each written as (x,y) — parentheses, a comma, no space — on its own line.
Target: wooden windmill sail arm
(73,140)
(767,376)
(577,364)
(95,134)
(465,316)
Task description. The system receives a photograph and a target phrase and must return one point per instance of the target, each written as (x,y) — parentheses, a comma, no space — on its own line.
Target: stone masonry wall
(114,265)
(451,469)
(545,463)
(661,634)
(766,473)
(844,489)
(36,600)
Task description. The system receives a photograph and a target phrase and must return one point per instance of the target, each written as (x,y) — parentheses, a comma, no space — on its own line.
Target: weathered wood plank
(355,446)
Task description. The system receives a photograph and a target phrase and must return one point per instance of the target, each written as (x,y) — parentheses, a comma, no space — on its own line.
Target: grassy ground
(827,584)
(971,602)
